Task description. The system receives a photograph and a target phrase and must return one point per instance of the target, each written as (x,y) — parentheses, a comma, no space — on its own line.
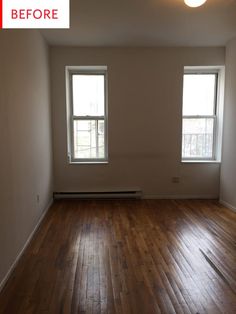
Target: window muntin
(88,115)
(199,116)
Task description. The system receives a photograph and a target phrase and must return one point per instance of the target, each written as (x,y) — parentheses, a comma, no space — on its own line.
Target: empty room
(118,157)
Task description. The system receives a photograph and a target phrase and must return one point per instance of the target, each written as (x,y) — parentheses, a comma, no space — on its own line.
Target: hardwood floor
(138,257)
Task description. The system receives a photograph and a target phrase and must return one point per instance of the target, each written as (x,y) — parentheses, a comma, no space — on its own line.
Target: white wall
(25,137)
(144,104)
(228,169)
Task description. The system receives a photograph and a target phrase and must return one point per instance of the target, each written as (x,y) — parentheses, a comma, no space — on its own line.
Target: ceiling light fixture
(194,3)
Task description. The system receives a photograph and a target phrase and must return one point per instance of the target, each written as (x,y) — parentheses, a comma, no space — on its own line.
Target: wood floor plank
(128,257)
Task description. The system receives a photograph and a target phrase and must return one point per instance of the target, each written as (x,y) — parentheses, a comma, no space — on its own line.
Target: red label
(16,14)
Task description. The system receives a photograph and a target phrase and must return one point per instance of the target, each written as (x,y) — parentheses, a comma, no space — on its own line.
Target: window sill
(88,162)
(200,161)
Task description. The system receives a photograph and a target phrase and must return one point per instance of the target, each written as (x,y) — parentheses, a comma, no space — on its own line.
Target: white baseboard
(226,204)
(4,281)
(180,197)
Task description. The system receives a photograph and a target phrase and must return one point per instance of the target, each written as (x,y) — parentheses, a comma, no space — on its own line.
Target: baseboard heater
(121,194)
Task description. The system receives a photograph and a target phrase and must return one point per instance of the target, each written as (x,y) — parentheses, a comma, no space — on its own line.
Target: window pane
(88,95)
(199,94)
(198,137)
(89,139)
(101,139)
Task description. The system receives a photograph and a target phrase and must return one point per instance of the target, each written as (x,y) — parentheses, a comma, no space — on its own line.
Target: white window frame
(85,70)
(217,114)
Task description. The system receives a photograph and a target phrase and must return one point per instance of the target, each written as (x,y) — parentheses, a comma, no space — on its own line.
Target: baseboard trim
(181,197)
(226,204)
(13,266)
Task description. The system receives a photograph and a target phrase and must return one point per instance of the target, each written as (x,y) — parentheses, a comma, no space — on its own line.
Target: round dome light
(194,3)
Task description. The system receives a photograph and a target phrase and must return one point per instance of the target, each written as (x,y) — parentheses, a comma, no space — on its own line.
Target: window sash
(96,119)
(216,74)
(214,118)
(87,73)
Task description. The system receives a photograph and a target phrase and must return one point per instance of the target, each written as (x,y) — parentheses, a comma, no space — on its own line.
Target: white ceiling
(147,23)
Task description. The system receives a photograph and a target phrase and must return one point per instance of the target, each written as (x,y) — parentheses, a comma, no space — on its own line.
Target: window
(200,114)
(87,114)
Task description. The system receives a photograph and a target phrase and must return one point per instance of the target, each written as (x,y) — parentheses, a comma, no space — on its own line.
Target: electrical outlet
(175,179)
